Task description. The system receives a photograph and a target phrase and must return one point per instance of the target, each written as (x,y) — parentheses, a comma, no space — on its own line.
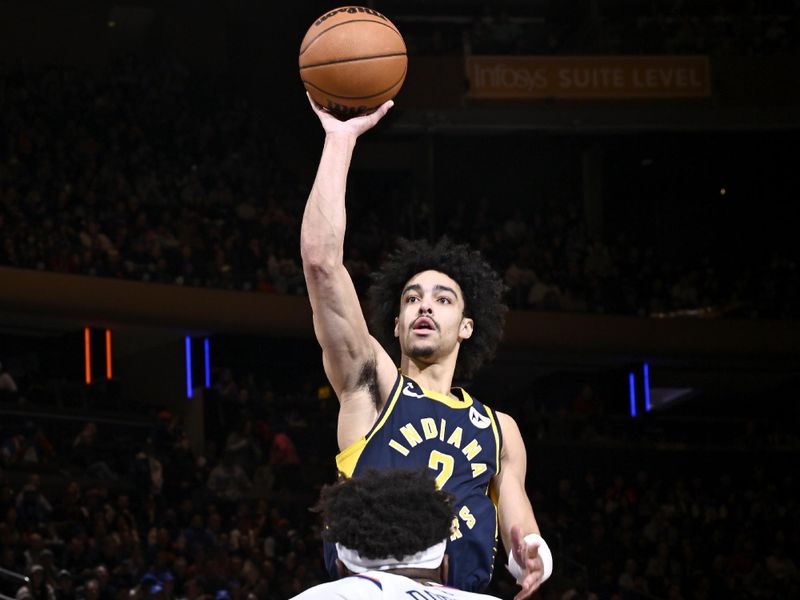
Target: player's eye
(411,299)
(444,300)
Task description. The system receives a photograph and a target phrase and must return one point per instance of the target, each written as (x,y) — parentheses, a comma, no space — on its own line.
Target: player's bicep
(513,458)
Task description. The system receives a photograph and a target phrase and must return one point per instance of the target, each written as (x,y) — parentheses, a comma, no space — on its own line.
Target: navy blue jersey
(460,440)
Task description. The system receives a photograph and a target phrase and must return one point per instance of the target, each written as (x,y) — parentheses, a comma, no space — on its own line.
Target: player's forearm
(517,511)
(324,219)
(514,506)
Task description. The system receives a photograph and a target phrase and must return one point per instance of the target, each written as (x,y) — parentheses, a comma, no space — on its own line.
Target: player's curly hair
(386,513)
(481,285)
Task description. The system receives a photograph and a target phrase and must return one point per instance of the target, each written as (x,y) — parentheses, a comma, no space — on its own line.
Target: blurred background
(628,166)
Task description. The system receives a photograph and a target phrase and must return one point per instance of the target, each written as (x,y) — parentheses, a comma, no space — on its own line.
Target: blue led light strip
(632,391)
(188,367)
(207,362)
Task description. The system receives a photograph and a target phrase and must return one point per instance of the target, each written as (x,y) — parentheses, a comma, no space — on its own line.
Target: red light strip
(87,352)
(108,354)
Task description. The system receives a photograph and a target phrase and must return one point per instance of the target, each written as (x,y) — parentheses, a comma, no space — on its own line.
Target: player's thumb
(532,549)
(517,544)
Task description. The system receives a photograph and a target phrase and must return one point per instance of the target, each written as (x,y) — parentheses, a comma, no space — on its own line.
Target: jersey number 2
(446,461)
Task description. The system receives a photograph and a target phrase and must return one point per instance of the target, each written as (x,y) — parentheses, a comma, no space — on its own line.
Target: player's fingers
(532,551)
(531,583)
(516,541)
(517,544)
(534,565)
(384,108)
(315,107)
(380,112)
(323,115)
(524,593)
(516,535)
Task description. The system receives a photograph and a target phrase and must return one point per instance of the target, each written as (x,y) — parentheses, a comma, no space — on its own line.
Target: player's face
(431,322)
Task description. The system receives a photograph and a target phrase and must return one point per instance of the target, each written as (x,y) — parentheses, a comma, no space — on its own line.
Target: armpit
(368,380)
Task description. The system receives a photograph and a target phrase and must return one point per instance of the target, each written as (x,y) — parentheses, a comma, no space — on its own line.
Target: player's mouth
(423,325)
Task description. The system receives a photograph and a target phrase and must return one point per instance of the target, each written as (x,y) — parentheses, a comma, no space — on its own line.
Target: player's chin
(422,350)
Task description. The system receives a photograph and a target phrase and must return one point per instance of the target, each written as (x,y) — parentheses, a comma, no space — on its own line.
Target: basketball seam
(358,97)
(346,60)
(316,37)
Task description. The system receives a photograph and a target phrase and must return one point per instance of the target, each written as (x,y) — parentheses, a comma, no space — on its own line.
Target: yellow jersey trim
(496,433)
(491,491)
(388,410)
(447,400)
(347,459)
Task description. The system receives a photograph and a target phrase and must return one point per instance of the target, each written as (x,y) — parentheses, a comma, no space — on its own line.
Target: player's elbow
(319,257)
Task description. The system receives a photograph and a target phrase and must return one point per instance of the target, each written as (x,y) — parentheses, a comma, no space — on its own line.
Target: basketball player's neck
(436,377)
(420,575)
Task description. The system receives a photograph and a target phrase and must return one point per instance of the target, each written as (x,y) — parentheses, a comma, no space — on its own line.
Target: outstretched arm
(516,513)
(352,358)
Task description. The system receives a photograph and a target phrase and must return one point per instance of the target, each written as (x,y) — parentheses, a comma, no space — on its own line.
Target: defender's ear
(341,570)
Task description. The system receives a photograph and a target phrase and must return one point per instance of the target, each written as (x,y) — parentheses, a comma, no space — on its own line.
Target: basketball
(352,60)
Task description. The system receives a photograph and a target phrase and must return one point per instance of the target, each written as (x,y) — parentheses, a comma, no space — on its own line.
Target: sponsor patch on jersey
(408,391)
(480,421)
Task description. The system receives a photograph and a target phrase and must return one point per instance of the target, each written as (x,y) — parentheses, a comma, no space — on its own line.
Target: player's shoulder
(457,594)
(507,423)
(354,587)
(398,586)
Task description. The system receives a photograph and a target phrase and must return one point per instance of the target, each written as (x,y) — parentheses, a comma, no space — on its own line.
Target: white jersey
(374,585)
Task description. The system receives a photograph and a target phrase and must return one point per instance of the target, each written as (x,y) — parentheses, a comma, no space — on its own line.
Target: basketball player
(390,529)
(441,307)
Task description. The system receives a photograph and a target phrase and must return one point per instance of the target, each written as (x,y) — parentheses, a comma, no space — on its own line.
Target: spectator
(89,591)
(38,448)
(33,509)
(147,471)
(284,460)
(12,449)
(32,554)
(241,446)
(228,480)
(37,587)
(7,384)
(65,586)
(86,454)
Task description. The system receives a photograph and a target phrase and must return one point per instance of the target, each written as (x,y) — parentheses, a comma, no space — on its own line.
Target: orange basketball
(352,60)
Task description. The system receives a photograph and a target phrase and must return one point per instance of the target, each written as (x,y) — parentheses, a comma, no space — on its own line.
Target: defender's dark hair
(480,284)
(387,513)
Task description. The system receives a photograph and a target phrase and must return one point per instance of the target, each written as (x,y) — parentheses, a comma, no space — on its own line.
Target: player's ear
(341,570)
(444,569)
(396,323)
(465,330)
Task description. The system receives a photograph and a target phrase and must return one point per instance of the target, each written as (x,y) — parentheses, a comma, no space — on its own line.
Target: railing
(661,432)
(49,413)
(13,576)
(17,579)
